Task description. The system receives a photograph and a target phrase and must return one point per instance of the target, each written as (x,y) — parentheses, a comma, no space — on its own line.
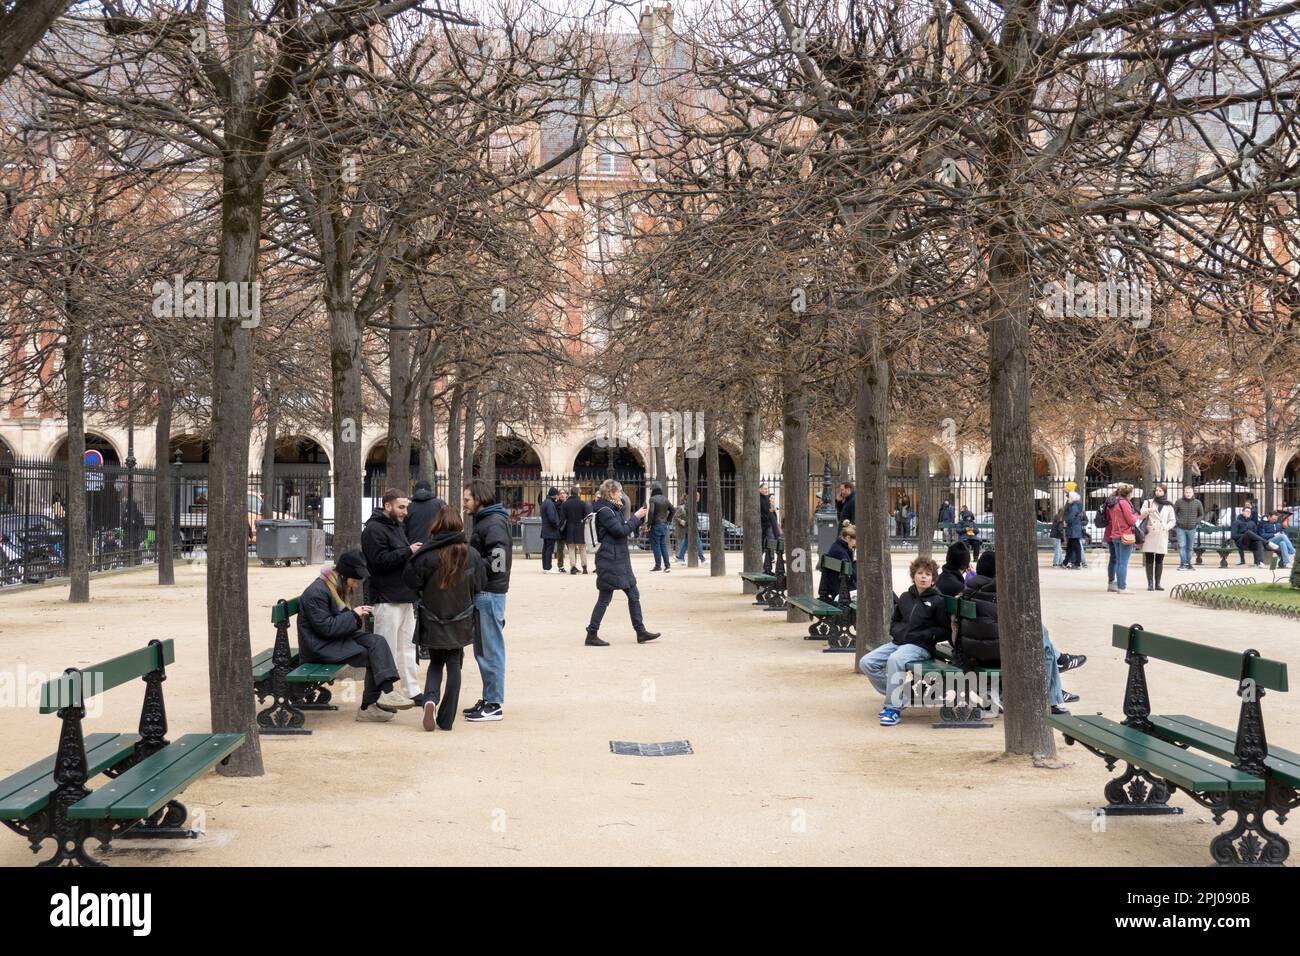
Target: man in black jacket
(920,621)
(550,527)
(491,539)
(424,507)
(383,542)
(660,513)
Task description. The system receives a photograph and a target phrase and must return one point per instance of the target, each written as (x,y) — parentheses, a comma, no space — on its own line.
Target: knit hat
(352,564)
(986,565)
(958,556)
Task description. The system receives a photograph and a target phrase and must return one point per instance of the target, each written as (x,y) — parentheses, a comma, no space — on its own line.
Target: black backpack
(1100,520)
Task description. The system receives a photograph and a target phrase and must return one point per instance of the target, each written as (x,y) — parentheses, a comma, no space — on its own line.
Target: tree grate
(669,748)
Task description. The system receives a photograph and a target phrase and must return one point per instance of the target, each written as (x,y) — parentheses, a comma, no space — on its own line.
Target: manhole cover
(670,748)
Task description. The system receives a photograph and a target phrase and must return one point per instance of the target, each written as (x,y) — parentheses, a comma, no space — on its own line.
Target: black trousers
(1074,552)
(449,700)
(377,659)
(548,549)
(1251,542)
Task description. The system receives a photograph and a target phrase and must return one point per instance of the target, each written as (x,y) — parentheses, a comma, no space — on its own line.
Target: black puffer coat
(977,640)
(613,560)
(384,543)
(424,507)
(446,615)
(920,619)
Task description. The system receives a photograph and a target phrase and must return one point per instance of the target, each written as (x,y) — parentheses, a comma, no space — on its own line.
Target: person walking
(550,528)
(446,575)
(681,515)
(661,512)
(1072,523)
(575,509)
(1188,514)
(491,539)
(420,512)
(384,544)
(330,632)
(1159,515)
(946,516)
(614,563)
(1119,537)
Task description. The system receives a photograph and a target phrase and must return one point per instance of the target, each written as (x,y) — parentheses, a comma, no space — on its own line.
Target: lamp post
(1232,488)
(827,506)
(130,476)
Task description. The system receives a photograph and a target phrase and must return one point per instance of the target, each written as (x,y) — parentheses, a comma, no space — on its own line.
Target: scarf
(1161,501)
(331,579)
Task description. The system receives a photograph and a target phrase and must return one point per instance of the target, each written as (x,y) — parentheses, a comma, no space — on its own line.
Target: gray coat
(325,635)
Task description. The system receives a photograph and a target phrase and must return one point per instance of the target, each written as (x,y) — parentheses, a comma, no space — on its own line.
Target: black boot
(593,640)
(643,637)
(1160,567)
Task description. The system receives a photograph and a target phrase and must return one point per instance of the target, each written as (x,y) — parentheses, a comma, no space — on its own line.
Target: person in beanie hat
(421,511)
(330,632)
(550,528)
(952,576)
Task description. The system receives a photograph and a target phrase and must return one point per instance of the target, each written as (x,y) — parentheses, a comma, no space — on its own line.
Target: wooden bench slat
(28,790)
(1167,760)
(1222,742)
(815,607)
(146,787)
(758,577)
(263,663)
(1202,657)
(312,673)
(283,611)
(104,676)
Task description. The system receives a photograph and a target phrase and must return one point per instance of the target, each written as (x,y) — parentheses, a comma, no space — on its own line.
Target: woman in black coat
(843,548)
(575,509)
(445,574)
(614,562)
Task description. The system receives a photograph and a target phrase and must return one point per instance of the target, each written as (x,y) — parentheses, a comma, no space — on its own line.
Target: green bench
(968,693)
(1248,778)
(144,772)
(293,687)
(770,582)
(833,622)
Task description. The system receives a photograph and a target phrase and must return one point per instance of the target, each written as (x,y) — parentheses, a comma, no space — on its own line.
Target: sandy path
(790,766)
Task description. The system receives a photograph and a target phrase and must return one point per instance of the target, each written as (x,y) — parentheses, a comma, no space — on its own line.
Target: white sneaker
(373,714)
(392,700)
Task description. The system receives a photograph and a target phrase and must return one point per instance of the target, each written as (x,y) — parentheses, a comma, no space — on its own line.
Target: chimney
(656,26)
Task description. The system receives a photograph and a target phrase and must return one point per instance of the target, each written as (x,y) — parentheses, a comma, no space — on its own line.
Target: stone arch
(96,440)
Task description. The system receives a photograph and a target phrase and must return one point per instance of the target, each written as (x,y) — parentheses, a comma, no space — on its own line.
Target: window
(611,157)
(1239,115)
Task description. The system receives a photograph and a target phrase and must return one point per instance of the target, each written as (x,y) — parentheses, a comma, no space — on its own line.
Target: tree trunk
(428,435)
(467,433)
(401,399)
(1270,449)
(925,512)
(164,534)
(1149,476)
(717,530)
(488,459)
(268,453)
(679,467)
(747,497)
(692,510)
(1081,467)
(1024,676)
(455,475)
(871,468)
(78,537)
(229,660)
(794,480)
(345,392)
(661,465)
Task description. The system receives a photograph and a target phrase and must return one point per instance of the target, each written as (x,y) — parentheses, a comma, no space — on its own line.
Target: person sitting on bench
(920,621)
(1246,536)
(1273,531)
(330,632)
(845,549)
(967,532)
(952,576)
(977,639)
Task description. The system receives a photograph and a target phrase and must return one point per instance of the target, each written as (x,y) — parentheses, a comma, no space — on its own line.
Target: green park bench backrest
(837,565)
(950,603)
(966,609)
(67,690)
(282,610)
(1266,673)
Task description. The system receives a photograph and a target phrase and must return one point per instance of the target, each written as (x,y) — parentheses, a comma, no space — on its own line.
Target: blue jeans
(1117,570)
(1186,539)
(602,603)
(681,547)
(1054,693)
(886,667)
(1057,555)
(490,647)
(659,543)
